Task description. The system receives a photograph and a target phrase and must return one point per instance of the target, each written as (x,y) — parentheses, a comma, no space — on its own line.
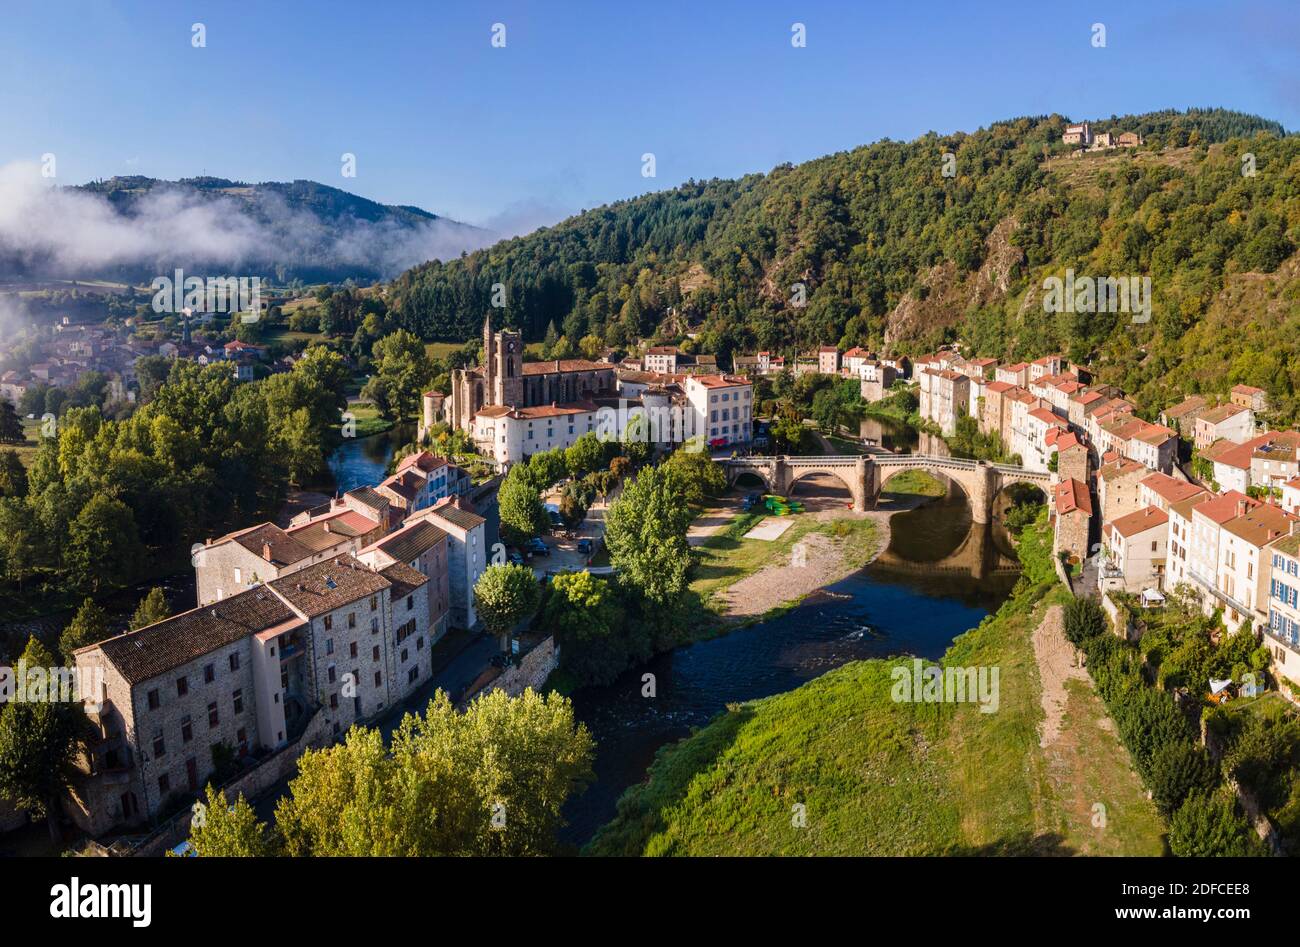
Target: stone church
(505,379)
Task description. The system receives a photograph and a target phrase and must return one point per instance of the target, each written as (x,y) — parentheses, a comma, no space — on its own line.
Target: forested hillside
(894,253)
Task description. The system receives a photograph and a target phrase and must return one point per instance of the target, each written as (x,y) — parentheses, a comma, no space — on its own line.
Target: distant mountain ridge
(331,203)
(135,227)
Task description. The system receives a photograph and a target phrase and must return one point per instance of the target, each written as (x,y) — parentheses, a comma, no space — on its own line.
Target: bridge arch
(944,477)
(736,474)
(836,474)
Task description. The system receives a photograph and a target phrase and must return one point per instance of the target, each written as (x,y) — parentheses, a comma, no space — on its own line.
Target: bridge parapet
(979,479)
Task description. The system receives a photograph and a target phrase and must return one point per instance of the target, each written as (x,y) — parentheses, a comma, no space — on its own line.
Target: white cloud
(56,231)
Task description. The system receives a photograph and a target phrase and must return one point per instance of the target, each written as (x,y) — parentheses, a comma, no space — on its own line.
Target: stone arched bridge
(864,474)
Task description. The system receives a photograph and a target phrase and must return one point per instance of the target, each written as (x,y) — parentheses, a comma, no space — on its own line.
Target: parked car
(584,546)
(515,557)
(537,547)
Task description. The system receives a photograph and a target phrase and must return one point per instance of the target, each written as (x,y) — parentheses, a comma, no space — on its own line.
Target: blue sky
(558,119)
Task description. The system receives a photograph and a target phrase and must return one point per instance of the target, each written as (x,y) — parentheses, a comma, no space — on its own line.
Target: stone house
(232,681)
(1072,508)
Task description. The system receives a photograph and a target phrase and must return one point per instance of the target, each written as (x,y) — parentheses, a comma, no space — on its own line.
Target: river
(363,461)
(938,578)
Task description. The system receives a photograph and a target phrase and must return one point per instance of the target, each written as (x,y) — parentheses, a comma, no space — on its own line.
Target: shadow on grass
(1049,844)
(641,808)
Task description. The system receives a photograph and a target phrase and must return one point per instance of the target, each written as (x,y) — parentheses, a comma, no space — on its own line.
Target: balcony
(1243,610)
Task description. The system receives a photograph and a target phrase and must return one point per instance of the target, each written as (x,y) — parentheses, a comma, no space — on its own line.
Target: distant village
(66,351)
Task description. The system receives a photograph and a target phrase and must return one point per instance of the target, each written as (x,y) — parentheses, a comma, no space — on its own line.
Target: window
(164,784)
(159,747)
(234,661)
(374,602)
(329,622)
(374,626)
(214,717)
(209,673)
(238,576)
(412,674)
(154,700)
(241,736)
(329,645)
(334,701)
(352,650)
(352,619)
(187,729)
(404,654)
(410,602)
(378,679)
(330,674)
(182,686)
(374,653)
(237,698)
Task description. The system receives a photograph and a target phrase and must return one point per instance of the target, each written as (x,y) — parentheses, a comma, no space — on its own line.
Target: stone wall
(531,671)
(250,785)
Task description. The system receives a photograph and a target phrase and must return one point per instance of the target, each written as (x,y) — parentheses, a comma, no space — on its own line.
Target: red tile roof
(1226,506)
(565,365)
(1138,521)
(1072,496)
(1170,489)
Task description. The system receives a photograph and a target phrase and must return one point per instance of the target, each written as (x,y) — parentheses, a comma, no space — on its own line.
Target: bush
(1210,824)
(1178,769)
(1083,619)
(1261,756)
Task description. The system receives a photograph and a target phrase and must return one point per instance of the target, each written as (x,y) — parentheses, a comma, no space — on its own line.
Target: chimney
(1241,507)
(266,551)
(327,526)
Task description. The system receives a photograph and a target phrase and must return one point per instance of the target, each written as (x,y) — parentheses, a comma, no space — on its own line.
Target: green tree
(403,370)
(103,544)
(584,455)
(1083,619)
(151,610)
(596,644)
(40,741)
(694,476)
(220,829)
(645,531)
(11,426)
(547,468)
(13,475)
(1179,768)
(504,596)
(572,509)
(489,781)
(520,504)
(89,626)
